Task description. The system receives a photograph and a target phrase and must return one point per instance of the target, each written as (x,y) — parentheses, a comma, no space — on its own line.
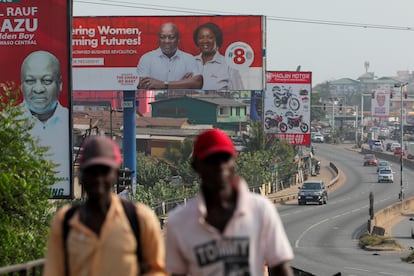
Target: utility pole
(401,194)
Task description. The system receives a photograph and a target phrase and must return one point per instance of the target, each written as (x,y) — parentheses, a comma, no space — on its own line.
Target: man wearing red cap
(100,238)
(225,230)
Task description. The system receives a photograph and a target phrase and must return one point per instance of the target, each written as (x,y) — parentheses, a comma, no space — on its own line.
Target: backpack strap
(130,211)
(65,232)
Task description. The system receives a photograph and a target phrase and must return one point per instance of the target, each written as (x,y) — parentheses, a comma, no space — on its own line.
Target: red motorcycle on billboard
(274,120)
(297,122)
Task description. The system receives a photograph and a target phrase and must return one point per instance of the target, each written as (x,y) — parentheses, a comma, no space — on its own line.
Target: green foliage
(255,141)
(264,156)
(257,165)
(178,155)
(377,241)
(317,112)
(153,175)
(25,178)
(409,258)
(163,191)
(150,170)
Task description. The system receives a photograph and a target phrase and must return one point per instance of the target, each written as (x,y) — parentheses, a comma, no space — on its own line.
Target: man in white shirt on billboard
(41,85)
(167,67)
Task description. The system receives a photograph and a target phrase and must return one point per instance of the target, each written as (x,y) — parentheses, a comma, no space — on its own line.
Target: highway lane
(325,238)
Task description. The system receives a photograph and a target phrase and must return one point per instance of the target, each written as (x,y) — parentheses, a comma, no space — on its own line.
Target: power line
(125,4)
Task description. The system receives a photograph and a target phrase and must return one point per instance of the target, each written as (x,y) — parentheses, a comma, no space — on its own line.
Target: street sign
(127,104)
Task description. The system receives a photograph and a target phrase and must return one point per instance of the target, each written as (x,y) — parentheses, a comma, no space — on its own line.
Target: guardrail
(294,195)
(30,268)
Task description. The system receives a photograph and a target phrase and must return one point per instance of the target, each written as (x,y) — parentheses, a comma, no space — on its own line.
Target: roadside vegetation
(25,178)
(258,164)
(409,258)
(378,242)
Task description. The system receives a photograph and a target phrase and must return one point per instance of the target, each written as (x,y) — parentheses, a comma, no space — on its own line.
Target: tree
(25,178)
(150,170)
(317,112)
(256,140)
(178,155)
(262,152)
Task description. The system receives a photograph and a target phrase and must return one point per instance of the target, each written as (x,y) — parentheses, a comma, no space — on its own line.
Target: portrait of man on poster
(41,85)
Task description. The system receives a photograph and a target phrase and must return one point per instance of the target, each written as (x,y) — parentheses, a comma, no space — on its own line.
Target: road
(325,238)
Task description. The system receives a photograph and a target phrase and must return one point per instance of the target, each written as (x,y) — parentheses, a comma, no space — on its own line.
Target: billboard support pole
(129,140)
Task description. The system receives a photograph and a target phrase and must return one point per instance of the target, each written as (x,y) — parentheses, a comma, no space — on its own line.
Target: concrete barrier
(383,216)
(389,157)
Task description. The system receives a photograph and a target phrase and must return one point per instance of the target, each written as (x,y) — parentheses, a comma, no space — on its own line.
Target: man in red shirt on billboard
(167,67)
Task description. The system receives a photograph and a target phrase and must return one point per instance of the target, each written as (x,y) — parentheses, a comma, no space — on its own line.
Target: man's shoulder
(259,201)
(183,212)
(183,54)
(152,53)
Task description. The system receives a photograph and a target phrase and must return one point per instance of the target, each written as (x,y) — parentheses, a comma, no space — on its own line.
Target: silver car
(385,175)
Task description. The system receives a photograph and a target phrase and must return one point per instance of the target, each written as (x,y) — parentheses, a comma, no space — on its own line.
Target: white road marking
(307,230)
(358,269)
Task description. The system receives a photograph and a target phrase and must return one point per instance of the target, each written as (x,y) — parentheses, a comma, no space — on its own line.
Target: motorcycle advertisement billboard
(118,52)
(287,106)
(36,72)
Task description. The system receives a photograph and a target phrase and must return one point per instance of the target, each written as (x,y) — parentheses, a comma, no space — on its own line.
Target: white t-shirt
(218,75)
(252,238)
(54,133)
(156,65)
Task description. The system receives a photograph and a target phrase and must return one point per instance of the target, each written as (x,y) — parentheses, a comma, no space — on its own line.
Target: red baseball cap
(212,141)
(100,150)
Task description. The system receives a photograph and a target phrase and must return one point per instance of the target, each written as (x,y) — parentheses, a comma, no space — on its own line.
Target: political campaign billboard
(168,52)
(380,103)
(287,106)
(35,66)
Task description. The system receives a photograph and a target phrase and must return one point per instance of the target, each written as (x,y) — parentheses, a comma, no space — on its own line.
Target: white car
(385,175)
(394,146)
(317,137)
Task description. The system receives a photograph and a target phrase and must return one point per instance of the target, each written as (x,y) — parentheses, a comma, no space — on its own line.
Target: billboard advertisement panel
(35,61)
(380,103)
(214,52)
(287,106)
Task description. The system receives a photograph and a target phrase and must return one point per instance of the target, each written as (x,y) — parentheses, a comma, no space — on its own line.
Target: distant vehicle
(318,138)
(382,165)
(410,151)
(385,175)
(394,145)
(397,151)
(370,160)
(388,146)
(377,146)
(313,191)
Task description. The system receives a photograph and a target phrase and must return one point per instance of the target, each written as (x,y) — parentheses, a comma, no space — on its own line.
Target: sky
(329,51)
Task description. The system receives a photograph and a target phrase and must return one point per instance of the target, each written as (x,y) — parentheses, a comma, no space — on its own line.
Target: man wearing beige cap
(100,237)
(225,230)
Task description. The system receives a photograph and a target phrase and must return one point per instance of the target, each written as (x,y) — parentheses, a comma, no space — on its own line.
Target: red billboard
(35,60)
(287,106)
(107,52)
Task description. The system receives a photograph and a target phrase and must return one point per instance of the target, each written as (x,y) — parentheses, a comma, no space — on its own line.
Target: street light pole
(356,125)
(333,121)
(401,194)
(362,118)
